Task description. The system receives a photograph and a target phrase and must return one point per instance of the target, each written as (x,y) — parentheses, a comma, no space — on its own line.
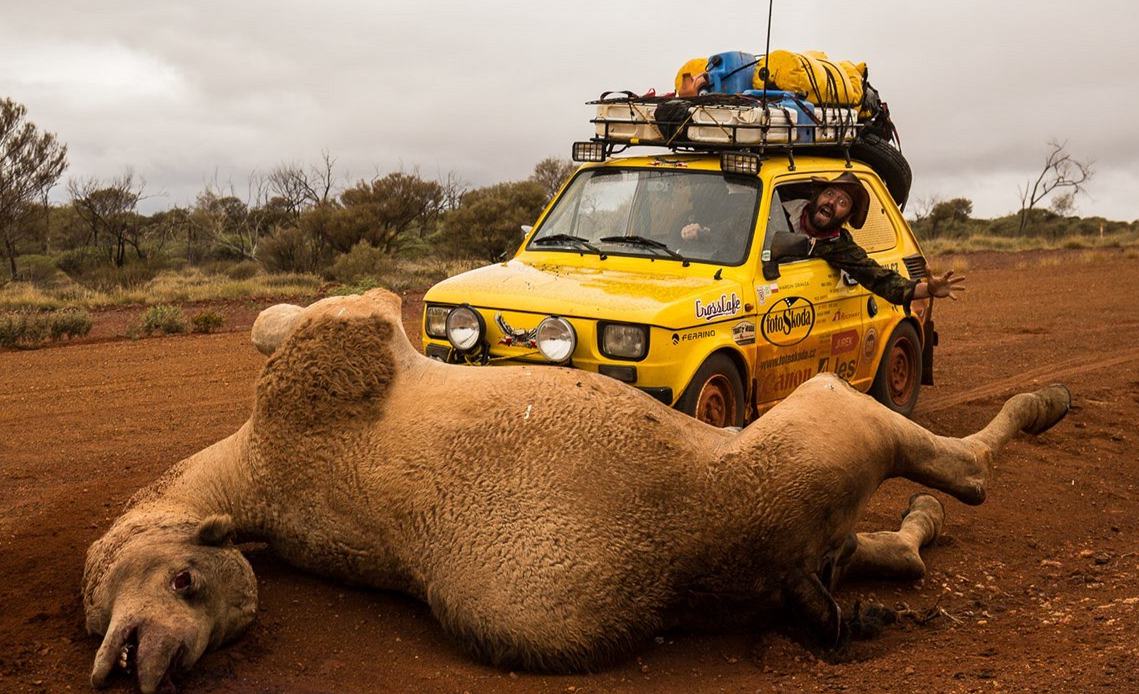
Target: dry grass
(1008,244)
(167,287)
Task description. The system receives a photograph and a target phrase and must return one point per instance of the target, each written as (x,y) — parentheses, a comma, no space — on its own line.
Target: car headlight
(556,339)
(435,324)
(624,341)
(465,328)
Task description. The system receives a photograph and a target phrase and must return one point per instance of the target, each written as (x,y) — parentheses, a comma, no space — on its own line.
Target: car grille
(915,266)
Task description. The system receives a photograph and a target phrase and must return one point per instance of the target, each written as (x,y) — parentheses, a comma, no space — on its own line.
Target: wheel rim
(716,404)
(903,368)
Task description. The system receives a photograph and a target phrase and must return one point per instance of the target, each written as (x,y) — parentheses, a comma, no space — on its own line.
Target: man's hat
(860,199)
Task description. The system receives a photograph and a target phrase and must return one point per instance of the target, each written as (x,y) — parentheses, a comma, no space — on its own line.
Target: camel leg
(896,554)
(962,467)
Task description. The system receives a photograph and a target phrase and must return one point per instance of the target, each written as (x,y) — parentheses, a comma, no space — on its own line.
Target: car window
(878,233)
(656,205)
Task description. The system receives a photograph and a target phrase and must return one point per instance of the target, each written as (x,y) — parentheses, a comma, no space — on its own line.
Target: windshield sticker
(789,321)
(724,306)
(765,290)
(744,333)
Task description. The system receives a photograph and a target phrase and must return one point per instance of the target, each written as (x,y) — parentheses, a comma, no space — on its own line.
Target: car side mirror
(785,246)
(526,229)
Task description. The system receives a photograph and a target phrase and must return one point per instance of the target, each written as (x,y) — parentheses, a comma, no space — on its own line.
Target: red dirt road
(1040,585)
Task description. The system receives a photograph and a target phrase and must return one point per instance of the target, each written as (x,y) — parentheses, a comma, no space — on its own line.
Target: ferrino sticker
(789,321)
(724,306)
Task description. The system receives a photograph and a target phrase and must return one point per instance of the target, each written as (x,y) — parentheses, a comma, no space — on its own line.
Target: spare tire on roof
(888,162)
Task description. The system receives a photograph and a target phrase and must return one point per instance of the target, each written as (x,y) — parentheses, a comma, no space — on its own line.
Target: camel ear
(216,530)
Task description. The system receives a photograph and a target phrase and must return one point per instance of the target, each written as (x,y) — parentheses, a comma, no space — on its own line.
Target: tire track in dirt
(1053,372)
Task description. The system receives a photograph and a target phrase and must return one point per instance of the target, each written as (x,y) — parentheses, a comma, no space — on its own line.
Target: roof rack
(760,124)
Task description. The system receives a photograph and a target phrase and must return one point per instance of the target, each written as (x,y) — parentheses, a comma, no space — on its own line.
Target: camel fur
(552,518)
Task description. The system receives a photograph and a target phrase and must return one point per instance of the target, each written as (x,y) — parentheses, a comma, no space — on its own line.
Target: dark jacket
(843,253)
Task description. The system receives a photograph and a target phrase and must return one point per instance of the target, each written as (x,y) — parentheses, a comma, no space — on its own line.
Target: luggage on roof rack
(777,119)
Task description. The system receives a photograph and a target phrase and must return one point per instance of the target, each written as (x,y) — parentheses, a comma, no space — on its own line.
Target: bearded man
(841,200)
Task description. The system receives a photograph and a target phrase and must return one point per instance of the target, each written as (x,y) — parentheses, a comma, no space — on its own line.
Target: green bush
(207,321)
(69,323)
(28,329)
(39,270)
(22,329)
(163,319)
(363,261)
(243,270)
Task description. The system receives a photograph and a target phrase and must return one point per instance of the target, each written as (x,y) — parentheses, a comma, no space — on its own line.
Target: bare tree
(1061,172)
(550,173)
(298,188)
(108,210)
(233,224)
(31,162)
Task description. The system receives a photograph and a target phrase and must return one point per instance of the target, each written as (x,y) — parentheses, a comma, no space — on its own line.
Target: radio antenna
(763,73)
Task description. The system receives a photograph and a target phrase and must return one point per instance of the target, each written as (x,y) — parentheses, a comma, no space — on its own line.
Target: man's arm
(844,254)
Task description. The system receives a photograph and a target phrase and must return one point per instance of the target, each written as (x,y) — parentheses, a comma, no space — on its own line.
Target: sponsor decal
(870,343)
(843,342)
(841,315)
(724,306)
(515,337)
(677,338)
(765,290)
(744,333)
(845,281)
(788,322)
(788,358)
(843,369)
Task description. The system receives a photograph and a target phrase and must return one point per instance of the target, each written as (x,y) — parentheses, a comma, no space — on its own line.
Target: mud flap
(929,343)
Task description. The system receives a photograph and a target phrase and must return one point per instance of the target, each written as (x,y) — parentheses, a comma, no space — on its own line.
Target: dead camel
(551,518)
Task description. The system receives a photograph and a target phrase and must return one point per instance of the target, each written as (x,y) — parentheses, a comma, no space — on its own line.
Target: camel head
(162,594)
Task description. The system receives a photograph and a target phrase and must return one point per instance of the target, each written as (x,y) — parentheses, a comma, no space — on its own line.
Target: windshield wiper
(646,243)
(559,239)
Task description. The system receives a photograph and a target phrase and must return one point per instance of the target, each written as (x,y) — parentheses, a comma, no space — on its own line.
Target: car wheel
(716,394)
(888,162)
(898,380)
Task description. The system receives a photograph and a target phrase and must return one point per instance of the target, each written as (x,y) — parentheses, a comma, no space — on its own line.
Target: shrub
(28,329)
(163,319)
(207,321)
(288,250)
(363,261)
(22,329)
(39,270)
(243,270)
(69,323)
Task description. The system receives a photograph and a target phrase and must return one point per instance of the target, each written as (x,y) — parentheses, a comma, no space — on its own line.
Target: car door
(879,237)
(810,316)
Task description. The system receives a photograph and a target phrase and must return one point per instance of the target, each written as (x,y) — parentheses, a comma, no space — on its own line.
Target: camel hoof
(927,503)
(1055,400)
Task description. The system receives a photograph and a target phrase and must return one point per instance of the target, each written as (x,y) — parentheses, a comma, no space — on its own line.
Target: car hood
(660,298)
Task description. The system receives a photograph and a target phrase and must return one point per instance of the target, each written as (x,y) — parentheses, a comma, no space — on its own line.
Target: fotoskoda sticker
(788,321)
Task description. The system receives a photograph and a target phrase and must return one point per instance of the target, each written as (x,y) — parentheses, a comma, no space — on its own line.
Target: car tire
(888,161)
(898,381)
(715,395)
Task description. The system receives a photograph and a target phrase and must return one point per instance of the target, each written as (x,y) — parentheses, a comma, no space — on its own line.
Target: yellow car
(721,325)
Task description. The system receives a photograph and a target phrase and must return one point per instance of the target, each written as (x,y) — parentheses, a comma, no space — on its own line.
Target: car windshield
(685,215)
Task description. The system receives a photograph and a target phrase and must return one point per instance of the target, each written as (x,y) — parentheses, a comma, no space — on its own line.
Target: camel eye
(182,583)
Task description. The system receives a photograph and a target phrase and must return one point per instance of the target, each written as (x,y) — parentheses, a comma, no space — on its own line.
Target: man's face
(830,208)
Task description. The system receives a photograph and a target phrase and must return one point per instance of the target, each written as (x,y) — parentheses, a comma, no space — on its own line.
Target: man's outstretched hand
(943,286)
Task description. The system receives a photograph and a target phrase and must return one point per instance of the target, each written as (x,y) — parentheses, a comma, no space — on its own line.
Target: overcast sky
(201,91)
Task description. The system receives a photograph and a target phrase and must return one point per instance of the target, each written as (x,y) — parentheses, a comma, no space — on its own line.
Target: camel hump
(335,361)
